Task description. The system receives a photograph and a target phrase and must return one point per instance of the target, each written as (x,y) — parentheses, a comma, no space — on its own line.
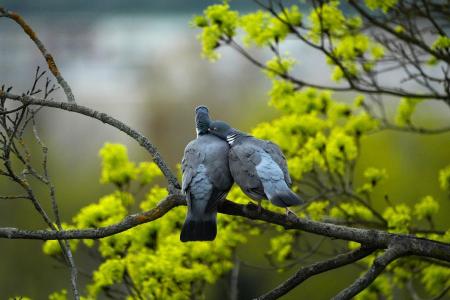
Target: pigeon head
(202,120)
(220,129)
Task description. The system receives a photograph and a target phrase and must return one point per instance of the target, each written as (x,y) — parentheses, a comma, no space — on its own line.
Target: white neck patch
(231,138)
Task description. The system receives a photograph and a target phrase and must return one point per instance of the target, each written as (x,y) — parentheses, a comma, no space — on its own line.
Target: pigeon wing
(192,158)
(275,152)
(243,159)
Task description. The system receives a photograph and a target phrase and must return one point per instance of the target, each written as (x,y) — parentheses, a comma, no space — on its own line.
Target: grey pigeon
(206,180)
(257,166)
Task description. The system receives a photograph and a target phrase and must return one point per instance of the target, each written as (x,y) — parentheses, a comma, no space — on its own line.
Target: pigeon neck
(200,132)
(202,123)
(235,136)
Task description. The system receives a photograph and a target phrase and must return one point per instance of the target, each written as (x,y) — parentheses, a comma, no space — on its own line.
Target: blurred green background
(139,61)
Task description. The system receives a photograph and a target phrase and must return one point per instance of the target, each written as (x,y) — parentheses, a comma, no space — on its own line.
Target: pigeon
(206,180)
(257,166)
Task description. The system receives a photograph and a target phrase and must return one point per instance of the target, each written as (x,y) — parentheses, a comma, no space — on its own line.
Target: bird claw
(252,206)
(259,207)
(290,215)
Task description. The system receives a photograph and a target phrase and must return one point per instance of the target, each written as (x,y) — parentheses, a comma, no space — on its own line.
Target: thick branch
(47,56)
(129,222)
(314,269)
(371,238)
(141,139)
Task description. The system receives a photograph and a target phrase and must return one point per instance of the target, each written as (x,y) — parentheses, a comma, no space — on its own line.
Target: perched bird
(206,180)
(257,166)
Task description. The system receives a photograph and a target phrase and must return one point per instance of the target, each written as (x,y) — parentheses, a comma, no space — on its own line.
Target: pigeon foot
(290,215)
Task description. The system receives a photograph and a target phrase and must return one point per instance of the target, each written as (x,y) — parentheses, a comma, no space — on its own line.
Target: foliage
(444,178)
(217,21)
(321,136)
(405,110)
(326,134)
(426,208)
(150,257)
(116,168)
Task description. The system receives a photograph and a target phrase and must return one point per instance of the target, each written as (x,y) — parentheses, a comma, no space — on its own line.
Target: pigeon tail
(274,183)
(285,199)
(198,230)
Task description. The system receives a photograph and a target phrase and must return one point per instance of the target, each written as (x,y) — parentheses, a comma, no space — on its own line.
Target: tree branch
(396,245)
(234,278)
(371,238)
(47,56)
(353,85)
(414,129)
(130,221)
(83,110)
(400,35)
(442,294)
(65,246)
(381,262)
(316,268)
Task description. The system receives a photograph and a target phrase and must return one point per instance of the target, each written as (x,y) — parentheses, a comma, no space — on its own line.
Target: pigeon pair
(220,156)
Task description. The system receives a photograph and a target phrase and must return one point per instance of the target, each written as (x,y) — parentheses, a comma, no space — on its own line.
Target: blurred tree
(398,245)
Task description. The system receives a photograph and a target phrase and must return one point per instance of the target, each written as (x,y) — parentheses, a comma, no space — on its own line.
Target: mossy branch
(45,53)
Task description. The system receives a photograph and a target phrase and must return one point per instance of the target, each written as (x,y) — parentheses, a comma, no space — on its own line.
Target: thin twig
(65,246)
(442,294)
(14,197)
(234,278)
